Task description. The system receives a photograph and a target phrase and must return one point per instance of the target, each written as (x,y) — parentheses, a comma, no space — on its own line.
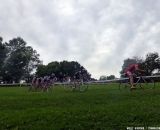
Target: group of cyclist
(130,72)
(44,83)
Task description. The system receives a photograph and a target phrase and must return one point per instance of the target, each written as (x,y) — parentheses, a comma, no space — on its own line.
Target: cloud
(98,34)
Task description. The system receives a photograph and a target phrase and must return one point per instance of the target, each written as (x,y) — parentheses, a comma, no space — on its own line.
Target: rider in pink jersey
(130,70)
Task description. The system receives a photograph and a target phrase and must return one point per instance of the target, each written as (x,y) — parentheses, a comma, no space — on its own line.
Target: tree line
(18,61)
(63,68)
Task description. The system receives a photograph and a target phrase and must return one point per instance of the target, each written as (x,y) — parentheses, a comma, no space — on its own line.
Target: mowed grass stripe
(101,107)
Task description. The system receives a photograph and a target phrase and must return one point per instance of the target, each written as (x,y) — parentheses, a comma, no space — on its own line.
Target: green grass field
(101,107)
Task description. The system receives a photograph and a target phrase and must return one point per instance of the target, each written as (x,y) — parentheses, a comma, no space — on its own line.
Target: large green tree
(20,61)
(151,63)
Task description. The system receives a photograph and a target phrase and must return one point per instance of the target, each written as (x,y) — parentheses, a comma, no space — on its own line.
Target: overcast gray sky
(99,34)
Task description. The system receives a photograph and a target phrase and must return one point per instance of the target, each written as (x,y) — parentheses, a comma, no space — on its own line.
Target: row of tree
(110,77)
(18,61)
(64,68)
